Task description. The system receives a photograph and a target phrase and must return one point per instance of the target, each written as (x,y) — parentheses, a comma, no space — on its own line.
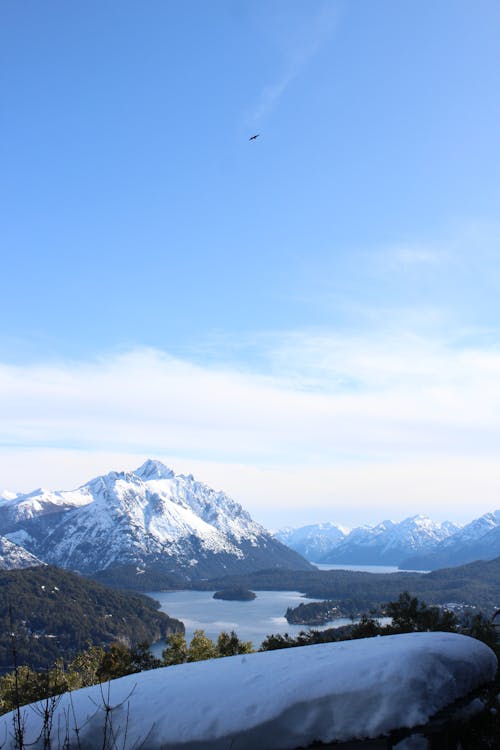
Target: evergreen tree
(201,647)
(116,662)
(228,644)
(176,651)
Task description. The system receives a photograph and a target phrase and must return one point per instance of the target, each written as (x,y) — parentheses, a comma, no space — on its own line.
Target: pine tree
(228,644)
(176,651)
(201,647)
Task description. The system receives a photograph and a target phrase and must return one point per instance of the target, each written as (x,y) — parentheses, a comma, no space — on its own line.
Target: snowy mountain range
(478,540)
(416,543)
(148,517)
(314,542)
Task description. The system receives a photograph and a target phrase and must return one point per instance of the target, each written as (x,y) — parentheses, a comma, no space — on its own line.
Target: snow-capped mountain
(478,540)
(388,543)
(7,495)
(150,516)
(13,557)
(314,542)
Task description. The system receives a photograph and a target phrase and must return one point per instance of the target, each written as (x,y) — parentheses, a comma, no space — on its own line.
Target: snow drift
(279,699)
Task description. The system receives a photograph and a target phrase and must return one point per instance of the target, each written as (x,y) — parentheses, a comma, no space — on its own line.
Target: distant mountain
(388,543)
(13,557)
(478,540)
(314,542)
(7,495)
(148,518)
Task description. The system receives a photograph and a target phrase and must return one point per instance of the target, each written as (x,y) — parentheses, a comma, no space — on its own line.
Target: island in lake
(314,613)
(235,594)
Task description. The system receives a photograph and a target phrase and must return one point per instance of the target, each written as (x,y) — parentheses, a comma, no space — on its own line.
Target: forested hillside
(475,584)
(53,613)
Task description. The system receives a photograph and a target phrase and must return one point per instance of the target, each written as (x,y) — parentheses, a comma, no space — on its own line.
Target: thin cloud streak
(304,45)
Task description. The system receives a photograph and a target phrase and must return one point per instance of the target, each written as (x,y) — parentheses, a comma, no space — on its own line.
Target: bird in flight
(253,137)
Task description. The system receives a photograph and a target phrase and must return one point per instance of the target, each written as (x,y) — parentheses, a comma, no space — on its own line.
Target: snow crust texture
(280,699)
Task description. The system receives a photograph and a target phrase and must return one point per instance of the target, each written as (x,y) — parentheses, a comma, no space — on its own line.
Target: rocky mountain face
(388,543)
(314,542)
(14,557)
(148,517)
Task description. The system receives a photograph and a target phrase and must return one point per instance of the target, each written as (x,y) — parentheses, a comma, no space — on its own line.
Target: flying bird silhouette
(253,137)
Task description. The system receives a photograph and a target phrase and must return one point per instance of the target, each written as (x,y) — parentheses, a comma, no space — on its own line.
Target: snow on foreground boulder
(270,700)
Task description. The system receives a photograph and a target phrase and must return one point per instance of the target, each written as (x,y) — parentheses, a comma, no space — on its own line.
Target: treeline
(476,584)
(410,615)
(96,665)
(407,614)
(313,613)
(152,577)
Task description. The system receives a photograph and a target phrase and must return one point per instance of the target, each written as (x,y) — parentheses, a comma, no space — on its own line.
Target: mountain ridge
(477,540)
(416,543)
(150,516)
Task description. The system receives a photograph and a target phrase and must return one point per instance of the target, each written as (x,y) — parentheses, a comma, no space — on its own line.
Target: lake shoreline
(265,615)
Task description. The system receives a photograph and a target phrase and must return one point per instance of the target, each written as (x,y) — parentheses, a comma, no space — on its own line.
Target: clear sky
(309,320)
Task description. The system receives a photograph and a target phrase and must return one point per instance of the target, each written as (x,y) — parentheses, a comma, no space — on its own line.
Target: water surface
(252,621)
(366,568)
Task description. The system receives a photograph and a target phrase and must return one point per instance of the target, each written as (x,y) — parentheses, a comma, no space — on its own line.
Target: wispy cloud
(408,255)
(304,38)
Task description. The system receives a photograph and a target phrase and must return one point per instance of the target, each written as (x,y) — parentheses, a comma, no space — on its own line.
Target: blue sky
(308,320)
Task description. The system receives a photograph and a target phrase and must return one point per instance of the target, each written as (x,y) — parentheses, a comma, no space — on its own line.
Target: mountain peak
(150,517)
(153,469)
(7,495)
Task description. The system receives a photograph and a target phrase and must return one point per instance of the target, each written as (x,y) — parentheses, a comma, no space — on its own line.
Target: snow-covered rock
(274,700)
(315,541)
(13,556)
(416,543)
(7,495)
(387,543)
(478,540)
(148,516)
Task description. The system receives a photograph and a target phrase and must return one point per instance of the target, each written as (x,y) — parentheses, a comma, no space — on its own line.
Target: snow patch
(278,699)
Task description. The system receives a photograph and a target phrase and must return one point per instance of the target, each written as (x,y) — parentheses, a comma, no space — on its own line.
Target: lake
(368,568)
(360,568)
(252,620)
